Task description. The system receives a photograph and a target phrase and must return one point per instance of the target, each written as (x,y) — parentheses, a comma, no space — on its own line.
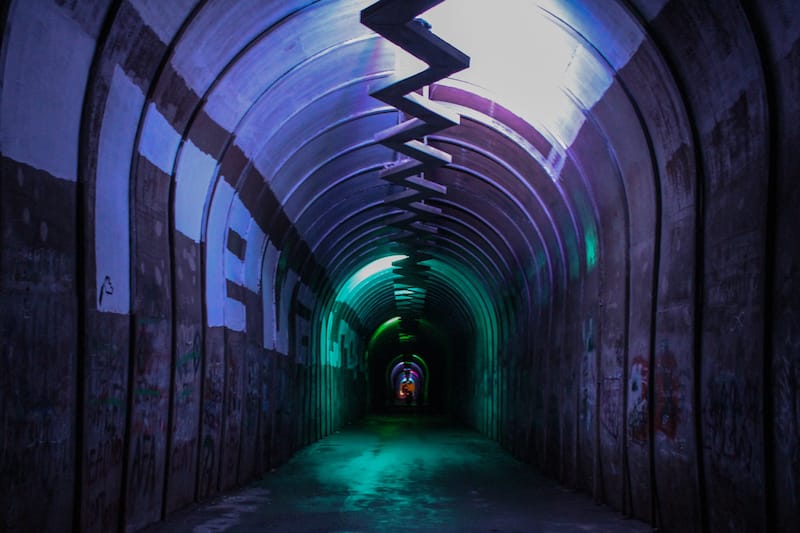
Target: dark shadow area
(429,349)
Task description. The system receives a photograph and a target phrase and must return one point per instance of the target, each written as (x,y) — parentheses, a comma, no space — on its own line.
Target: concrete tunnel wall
(188,186)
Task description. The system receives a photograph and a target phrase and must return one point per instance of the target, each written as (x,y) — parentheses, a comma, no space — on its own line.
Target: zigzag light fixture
(396,21)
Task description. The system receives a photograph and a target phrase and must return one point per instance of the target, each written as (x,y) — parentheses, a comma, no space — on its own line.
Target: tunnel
(203,270)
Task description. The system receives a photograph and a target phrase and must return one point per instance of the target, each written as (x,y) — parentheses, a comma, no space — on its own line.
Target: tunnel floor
(402,473)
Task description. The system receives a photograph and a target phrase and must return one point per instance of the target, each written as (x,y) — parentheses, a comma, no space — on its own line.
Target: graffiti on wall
(637,400)
(211,425)
(103,458)
(182,456)
(106,288)
(252,390)
(187,371)
(143,468)
(106,386)
(249,456)
(189,362)
(106,376)
(610,404)
(229,450)
(101,512)
(586,401)
(152,359)
(667,384)
(207,455)
(588,376)
(731,407)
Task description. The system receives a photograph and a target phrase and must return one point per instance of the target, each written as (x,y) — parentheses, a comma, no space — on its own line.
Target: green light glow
(589,230)
(382,328)
(590,239)
(352,291)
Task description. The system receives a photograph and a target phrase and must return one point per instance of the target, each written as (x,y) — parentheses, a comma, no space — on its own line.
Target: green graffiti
(188,357)
(143,391)
(112,402)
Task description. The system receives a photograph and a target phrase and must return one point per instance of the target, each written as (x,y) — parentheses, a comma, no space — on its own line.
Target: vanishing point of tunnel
(240,236)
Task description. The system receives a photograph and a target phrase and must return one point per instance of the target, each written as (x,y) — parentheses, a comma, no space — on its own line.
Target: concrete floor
(402,473)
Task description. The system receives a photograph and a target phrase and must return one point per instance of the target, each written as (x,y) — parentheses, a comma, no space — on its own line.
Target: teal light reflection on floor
(402,473)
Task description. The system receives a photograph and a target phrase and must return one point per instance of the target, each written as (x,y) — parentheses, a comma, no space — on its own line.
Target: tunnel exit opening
(407,381)
(398,376)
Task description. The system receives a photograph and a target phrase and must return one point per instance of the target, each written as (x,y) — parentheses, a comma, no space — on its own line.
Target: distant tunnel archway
(429,354)
(407,379)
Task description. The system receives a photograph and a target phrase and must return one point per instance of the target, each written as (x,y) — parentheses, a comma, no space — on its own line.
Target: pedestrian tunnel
(229,228)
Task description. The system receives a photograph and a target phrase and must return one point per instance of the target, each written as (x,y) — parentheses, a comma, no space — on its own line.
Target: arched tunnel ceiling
(293,163)
(195,181)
